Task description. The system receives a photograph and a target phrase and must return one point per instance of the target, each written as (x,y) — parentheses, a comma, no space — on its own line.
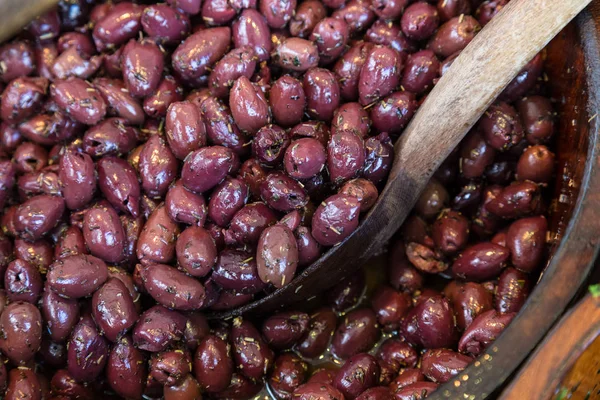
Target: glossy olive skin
(430,324)
(207,167)
(157,240)
(317,337)
(348,69)
(322,93)
(145,59)
(185,206)
(113,309)
(440,365)
(480,262)
(393,355)
(387,33)
(22,282)
(249,222)
(283,193)
(253,357)
(468,300)
(164,24)
(126,369)
(90,108)
(158,328)
(18,59)
(22,98)
(393,112)
(120,23)
(516,200)
(526,240)
(390,306)
(170,367)
(23,383)
(454,35)
(103,233)
(213,365)
(317,390)
(35,217)
(227,199)
(335,219)
(239,62)
(419,21)
(525,80)
(119,184)
(249,106)
(537,116)
(184,128)
(483,331)
(432,200)
(237,270)
(192,58)
(289,372)
(21,328)
(416,391)
(251,29)
(488,10)
(63,383)
(60,314)
(157,176)
(269,144)
(287,100)
(304,158)
(357,332)
(358,374)
(380,75)
(283,330)
(191,7)
(239,388)
(450,232)
(345,156)
(39,253)
(87,352)
(536,164)
(76,275)
(196,251)
(501,126)
(277,255)
(277,12)
(296,54)
(172,288)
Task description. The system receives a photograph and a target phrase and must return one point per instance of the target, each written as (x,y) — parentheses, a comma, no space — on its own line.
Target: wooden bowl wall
(573,69)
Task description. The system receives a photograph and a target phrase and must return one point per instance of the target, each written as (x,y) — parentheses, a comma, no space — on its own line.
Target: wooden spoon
(15,14)
(483,69)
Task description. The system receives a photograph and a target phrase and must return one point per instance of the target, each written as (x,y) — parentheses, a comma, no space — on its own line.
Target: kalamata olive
(296,54)
(351,117)
(364,190)
(304,158)
(525,80)
(77,275)
(239,388)
(167,93)
(407,376)
(237,270)
(22,282)
(277,12)
(450,232)
(468,301)
(317,390)
(184,128)
(251,29)
(17,60)
(379,156)
(536,164)
(331,36)
(287,99)
(238,62)
(335,219)
(87,352)
(42,182)
(425,259)
(358,14)
(63,383)
(469,197)
(348,69)
(38,253)
(283,193)
(348,292)
(516,200)
(38,215)
(227,199)
(185,206)
(23,383)
(269,144)
(248,105)
(89,108)
(164,24)
(251,354)
(440,365)
(430,324)
(419,20)
(111,136)
(191,7)
(187,389)
(196,328)
(7,220)
(10,138)
(30,157)
(416,391)
(358,374)
(22,98)
(393,112)
(537,117)
(488,10)
(289,372)
(322,93)
(133,229)
(453,8)
(277,255)
(376,393)
(217,12)
(158,328)
(358,332)
(526,239)
(390,306)
(481,261)
(305,18)
(170,367)
(205,168)
(71,63)
(21,328)
(308,248)
(120,23)
(157,240)
(380,74)
(475,155)
(126,369)
(501,126)
(103,233)
(229,299)
(213,365)
(454,35)
(156,176)
(249,222)
(315,341)
(60,314)
(389,9)
(432,200)
(512,291)
(394,354)
(196,251)
(312,129)
(172,288)
(483,331)
(54,354)
(119,184)
(322,375)
(345,156)
(285,329)
(194,56)
(45,56)
(113,309)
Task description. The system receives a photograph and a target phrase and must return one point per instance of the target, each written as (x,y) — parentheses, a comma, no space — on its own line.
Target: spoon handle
(15,14)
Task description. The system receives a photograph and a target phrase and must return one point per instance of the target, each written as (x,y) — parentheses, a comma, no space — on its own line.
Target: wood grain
(478,75)
(540,377)
(15,14)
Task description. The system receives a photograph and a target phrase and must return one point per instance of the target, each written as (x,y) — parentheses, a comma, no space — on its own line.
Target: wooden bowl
(573,69)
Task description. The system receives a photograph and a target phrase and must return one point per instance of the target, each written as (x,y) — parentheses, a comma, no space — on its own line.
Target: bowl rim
(569,267)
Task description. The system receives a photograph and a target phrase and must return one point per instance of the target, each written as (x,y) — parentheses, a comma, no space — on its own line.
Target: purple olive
(358,374)
(357,332)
